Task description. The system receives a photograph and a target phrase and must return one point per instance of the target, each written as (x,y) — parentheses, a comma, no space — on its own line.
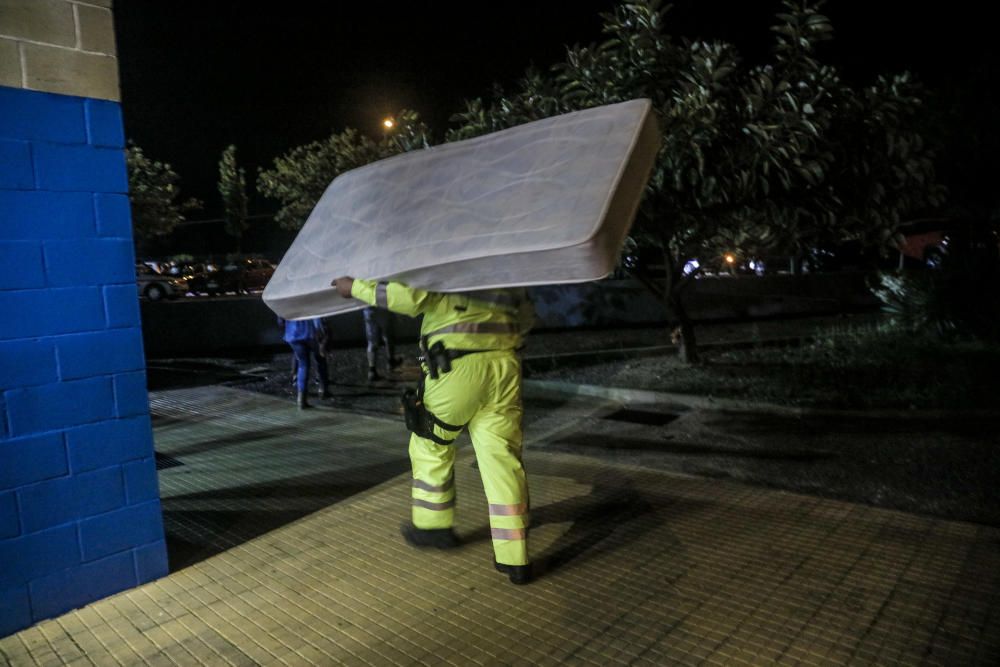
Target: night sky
(197,76)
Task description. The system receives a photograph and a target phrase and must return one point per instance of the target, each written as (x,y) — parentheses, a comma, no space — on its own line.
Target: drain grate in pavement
(164,461)
(641,417)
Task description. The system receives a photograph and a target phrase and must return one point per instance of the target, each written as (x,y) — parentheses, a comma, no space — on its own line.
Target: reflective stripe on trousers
(484,391)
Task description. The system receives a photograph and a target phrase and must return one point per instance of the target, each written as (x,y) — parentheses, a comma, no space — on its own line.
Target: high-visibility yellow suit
(482,392)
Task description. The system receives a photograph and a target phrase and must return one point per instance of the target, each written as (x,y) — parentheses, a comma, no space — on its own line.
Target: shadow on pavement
(200,524)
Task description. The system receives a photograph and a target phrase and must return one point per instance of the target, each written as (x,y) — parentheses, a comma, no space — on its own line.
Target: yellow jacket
(484,320)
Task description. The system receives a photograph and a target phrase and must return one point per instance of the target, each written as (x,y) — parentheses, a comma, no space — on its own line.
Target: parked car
(200,278)
(238,277)
(255,273)
(155,286)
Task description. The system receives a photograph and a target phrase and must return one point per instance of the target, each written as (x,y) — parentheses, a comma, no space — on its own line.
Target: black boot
(302,401)
(436,538)
(519,574)
(373,375)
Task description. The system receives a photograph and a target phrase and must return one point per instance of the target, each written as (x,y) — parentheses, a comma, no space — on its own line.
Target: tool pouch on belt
(421,421)
(418,419)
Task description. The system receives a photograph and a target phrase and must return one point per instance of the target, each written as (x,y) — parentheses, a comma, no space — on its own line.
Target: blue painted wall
(80,511)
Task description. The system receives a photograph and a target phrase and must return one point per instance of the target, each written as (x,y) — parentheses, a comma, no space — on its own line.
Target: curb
(693,402)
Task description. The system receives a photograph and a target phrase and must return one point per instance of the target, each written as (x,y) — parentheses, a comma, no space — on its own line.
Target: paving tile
(640,567)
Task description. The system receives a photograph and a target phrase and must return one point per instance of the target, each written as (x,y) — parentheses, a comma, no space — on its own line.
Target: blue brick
(121,530)
(131,395)
(15,166)
(79,586)
(21,265)
(101,353)
(38,554)
(48,312)
(80,168)
(54,406)
(15,610)
(89,262)
(28,460)
(31,115)
(24,363)
(121,303)
(141,482)
(10,525)
(109,443)
(30,216)
(47,504)
(104,123)
(151,562)
(99,491)
(114,215)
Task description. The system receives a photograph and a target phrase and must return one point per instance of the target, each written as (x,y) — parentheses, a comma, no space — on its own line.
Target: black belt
(438,358)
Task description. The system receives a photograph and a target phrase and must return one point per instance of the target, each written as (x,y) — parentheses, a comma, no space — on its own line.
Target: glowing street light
(388,123)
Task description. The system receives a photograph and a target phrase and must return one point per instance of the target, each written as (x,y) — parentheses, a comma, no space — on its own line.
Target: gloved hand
(343,285)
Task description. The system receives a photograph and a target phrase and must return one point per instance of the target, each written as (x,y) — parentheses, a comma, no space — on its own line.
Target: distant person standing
(308,339)
(378,333)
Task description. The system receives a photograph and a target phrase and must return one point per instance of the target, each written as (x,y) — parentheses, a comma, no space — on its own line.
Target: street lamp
(388,124)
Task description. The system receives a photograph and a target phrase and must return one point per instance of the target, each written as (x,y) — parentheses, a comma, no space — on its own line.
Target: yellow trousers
(482,392)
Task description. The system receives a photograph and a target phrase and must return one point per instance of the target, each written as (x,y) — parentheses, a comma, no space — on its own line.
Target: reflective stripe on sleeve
(437,507)
(382,295)
(478,327)
(508,533)
(508,510)
(434,489)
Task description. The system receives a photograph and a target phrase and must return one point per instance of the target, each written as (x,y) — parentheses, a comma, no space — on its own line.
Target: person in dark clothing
(378,333)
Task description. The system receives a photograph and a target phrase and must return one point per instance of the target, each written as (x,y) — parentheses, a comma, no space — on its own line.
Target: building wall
(80,513)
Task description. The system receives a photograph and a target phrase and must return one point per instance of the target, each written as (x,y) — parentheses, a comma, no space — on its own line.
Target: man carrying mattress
(472,378)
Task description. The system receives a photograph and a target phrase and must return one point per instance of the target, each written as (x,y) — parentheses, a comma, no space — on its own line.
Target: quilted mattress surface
(547,202)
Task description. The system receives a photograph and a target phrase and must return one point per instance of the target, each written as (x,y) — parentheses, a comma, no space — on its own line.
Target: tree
(154,195)
(233,190)
(773,157)
(299,178)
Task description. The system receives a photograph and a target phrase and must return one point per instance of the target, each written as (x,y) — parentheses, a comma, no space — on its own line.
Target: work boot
(302,401)
(435,538)
(519,574)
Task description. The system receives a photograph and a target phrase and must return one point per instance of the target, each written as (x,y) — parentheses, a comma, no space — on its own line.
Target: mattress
(548,202)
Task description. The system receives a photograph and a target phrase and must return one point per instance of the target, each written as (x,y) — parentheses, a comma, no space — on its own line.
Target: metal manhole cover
(163,461)
(641,417)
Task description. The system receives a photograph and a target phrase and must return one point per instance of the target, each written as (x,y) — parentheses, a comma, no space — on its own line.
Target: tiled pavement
(637,567)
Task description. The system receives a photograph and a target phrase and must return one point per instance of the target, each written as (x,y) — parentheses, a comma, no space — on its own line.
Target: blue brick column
(80,514)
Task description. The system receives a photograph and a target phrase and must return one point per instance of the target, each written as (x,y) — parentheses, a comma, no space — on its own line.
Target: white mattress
(548,202)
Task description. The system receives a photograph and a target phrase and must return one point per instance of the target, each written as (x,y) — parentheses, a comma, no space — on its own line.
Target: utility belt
(437,359)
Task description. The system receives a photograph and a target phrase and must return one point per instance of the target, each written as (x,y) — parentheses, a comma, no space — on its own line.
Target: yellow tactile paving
(638,568)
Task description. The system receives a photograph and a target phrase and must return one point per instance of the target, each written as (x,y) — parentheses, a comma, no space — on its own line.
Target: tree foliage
(154,194)
(233,190)
(298,179)
(775,157)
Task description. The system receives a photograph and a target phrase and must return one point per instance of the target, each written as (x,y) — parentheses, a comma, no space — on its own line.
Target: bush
(879,367)
(958,300)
